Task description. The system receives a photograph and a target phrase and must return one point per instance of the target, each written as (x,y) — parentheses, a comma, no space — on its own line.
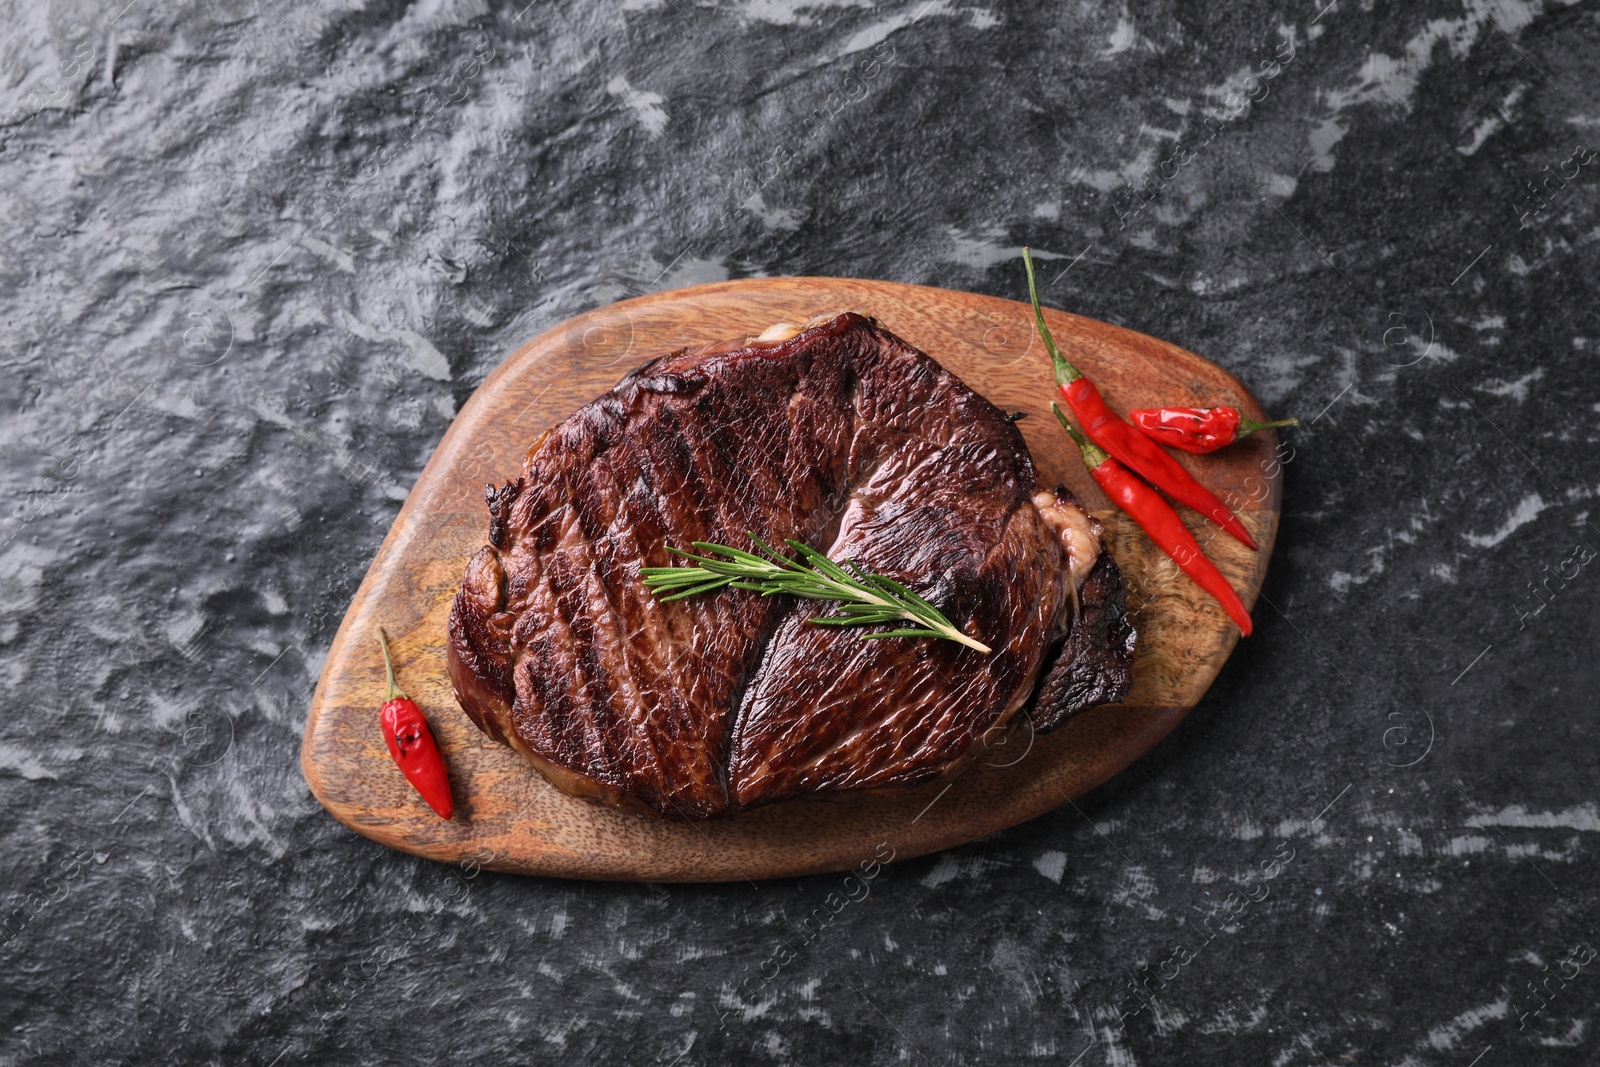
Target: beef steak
(842,436)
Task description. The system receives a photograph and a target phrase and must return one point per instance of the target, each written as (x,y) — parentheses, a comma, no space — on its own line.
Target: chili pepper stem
(1065,372)
(1250,426)
(1093,454)
(394,691)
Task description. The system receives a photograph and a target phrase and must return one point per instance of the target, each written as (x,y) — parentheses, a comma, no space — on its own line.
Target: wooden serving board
(509,818)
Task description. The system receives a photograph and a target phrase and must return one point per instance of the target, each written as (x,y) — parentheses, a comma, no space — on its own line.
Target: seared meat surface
(841,436)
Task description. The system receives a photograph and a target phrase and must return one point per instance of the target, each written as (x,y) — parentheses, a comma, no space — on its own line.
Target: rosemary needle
(864,598)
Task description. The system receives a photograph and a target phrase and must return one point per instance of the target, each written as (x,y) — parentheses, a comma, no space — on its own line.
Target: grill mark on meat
(576,732)
(716,517)
(843,436)
(764,635)
(607,586)
(636,747)
(616,736)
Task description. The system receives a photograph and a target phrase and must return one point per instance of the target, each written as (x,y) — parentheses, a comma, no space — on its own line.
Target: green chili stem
(394,692)
(1251,426)
(1093,454)
(1065,372)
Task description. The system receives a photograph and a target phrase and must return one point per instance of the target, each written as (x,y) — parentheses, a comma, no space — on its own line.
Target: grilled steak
(842,436)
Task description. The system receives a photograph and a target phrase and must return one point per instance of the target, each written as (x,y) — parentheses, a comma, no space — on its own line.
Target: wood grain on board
(507,816)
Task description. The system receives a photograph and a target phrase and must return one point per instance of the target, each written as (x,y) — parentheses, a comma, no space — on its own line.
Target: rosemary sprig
(864,598)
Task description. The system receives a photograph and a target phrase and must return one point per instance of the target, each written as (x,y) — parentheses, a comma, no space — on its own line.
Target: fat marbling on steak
(840,435)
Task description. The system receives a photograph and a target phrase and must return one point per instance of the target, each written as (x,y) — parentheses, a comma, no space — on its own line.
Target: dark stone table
(258,254)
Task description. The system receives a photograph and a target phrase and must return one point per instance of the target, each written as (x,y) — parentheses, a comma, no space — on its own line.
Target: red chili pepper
(1199,430)
(1156,517)
(1127,445)
(411,742)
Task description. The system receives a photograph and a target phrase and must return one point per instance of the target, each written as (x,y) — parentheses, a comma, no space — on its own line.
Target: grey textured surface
(257,254)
